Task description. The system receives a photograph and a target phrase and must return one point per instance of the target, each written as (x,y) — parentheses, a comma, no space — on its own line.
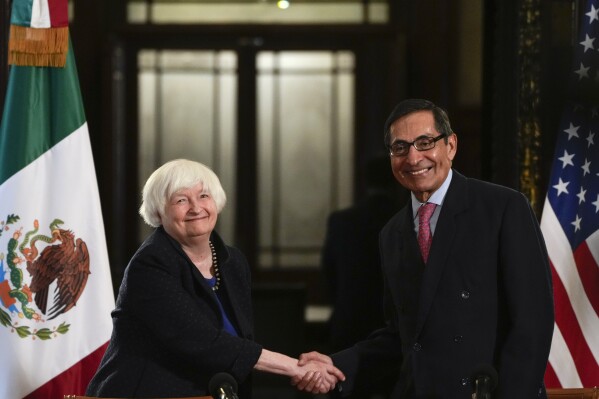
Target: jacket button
(417,347)
(465,294)
(457,339)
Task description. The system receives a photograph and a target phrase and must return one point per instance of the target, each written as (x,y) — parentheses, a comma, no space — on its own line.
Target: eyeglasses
(401,148)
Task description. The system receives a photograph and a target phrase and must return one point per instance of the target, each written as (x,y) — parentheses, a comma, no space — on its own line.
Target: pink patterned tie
(425,238)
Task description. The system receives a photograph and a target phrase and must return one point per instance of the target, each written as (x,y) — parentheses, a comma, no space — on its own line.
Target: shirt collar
(438,196)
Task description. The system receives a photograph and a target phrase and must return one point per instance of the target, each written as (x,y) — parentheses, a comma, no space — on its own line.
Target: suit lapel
(407,255)
(455,202)
(409,243)
(236,318)
(233,314)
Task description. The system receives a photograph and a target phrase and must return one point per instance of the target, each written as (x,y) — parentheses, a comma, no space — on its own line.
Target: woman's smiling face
(189,213)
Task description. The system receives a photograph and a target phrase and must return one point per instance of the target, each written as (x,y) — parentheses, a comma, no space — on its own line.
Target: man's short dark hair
(413,105)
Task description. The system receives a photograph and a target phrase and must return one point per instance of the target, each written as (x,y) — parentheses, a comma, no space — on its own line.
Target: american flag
(570,221)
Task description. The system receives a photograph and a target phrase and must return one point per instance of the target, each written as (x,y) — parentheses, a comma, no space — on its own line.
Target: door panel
(305,151)
(187,109)
(304,162)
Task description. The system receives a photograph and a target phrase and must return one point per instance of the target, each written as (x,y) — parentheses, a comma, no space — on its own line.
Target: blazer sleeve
(526,280)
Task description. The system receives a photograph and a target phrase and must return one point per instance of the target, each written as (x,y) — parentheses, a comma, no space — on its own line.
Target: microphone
(223,386)
(484,381)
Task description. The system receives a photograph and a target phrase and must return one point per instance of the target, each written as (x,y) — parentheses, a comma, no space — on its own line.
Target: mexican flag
(55,287)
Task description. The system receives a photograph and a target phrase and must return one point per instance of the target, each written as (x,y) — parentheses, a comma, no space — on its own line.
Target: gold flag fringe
(38,46)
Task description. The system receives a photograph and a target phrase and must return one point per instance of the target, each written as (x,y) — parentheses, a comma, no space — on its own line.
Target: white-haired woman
(183,312)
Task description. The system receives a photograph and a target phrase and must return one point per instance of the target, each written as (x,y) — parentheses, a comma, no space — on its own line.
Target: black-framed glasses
(401,148)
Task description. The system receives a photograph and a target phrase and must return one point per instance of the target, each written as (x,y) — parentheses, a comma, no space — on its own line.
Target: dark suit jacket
(351,265)
(167,339)
(484,297)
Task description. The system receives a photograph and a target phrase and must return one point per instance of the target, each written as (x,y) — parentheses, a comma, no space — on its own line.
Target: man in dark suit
(466,276)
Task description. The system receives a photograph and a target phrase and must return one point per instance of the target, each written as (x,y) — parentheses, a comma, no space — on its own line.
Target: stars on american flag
(582,72)
(575,173)
(581,195)
(591,139)
(588,43)
(561,187)
(572,131)
(586,167)
(593,14)
(576,223)
(566,159)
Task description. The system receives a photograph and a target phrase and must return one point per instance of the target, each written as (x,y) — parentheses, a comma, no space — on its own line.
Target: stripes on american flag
(570,221)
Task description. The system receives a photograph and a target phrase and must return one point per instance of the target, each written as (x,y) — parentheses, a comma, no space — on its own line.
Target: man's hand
(321,375)
(314,356)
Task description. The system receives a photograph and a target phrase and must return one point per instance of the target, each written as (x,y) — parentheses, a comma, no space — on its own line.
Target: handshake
(315,373)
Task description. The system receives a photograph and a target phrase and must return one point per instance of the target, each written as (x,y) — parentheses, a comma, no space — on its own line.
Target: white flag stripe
(61,183)
(562,362)
(40,14)
(562,258)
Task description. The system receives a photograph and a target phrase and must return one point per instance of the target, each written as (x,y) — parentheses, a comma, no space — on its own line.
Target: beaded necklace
(214,266)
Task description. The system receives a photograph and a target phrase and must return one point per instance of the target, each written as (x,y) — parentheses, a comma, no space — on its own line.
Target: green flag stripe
(21,12)
(42,107)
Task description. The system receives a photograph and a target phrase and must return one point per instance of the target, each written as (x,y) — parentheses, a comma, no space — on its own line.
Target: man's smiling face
(421,172)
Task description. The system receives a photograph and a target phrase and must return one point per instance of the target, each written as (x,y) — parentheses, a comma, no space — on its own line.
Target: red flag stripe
(551,379)
(72,381)
(589,274)
(59,13)
(565,318)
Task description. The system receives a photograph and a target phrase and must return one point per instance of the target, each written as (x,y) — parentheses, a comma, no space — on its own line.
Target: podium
(91,397)
(573,393)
